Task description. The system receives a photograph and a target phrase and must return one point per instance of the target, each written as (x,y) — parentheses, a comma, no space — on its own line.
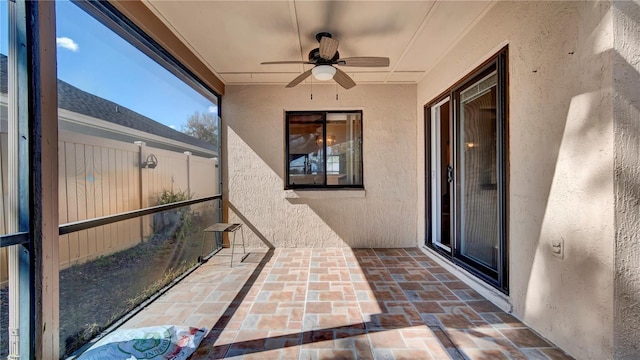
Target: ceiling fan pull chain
(311,88)
(336,91)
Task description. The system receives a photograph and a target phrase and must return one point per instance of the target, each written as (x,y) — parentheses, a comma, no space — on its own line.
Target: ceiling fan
(325,57)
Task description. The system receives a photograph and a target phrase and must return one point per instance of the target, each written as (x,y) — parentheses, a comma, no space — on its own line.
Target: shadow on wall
(251,226)
(585,304)
(626,105)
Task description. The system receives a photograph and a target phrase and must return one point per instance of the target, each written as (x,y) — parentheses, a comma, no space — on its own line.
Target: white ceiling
(234,37)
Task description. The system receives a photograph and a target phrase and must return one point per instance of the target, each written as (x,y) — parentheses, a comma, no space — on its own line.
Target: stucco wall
(626,113)
(253,168)
(561,162)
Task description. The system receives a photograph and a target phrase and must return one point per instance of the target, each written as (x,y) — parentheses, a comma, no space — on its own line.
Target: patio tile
(273,286)
(277,296)
(411,354)
(533,354)
(507,347)
(264,308)
(406,308)
(524,338)
(318,307)
(336,354)
(214,308)
(555,354)
(250,322)
(508,320)
(483,306)
(436,350)
(316,285)
(331,296)
(486,338)
(451,306)
(468,313)
(268,322)
(311,322)
(428,307)
(486,355)
(289,353)
(411,285)
(388,321)
(387,339)
(430,295)
(455,321)
(341,303)
(318,339)
(229,286)
(461,340)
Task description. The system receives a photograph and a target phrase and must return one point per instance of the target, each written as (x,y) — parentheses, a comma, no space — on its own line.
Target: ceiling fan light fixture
(323,72)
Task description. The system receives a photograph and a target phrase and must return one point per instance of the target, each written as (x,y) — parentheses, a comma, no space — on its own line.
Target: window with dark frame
(323,149)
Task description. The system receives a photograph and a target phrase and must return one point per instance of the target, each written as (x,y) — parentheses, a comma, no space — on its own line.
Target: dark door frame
(496,278)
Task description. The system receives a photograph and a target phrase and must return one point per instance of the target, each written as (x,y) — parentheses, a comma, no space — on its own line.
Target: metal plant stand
(230,228)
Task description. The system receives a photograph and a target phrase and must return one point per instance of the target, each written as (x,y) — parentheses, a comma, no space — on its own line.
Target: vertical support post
(216,171)
(142,187)
(188,154)
(217,204)
(43,171)
(13,196)
(350,163)
(220,208)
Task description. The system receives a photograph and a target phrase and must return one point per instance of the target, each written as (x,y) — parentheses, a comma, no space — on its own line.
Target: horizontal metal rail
(110,219)
(14,239)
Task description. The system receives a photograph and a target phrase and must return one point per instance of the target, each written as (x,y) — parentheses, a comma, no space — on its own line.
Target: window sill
(324,194)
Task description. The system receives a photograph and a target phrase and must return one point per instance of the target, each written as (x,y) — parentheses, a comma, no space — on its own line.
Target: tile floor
(340,304)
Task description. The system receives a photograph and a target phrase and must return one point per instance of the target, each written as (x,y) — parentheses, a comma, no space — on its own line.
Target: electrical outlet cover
(557,248)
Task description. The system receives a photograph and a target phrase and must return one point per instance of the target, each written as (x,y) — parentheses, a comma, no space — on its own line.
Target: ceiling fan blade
(328,47)
(299,79)
(364,61)
(284,62)
(343,79)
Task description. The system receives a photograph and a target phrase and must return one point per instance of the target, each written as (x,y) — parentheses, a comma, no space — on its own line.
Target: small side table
(230,228)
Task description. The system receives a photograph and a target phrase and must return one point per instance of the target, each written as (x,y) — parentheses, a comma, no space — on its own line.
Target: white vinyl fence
(99,177)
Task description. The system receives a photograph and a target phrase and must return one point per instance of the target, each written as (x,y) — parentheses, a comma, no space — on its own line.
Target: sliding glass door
(466,156)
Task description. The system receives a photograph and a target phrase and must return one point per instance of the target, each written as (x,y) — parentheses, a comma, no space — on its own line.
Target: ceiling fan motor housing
(314,57)
(322,34)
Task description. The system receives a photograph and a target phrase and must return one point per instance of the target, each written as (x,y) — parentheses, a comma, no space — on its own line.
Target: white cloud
(213,109)
(67,43)
(172,126)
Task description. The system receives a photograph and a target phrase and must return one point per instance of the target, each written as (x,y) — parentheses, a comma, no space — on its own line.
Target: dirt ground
(93,295)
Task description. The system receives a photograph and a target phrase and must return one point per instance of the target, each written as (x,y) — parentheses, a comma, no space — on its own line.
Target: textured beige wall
(626,113)
(561,162)
(253,168)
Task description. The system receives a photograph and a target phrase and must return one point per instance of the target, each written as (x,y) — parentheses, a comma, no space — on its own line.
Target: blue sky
(94,59)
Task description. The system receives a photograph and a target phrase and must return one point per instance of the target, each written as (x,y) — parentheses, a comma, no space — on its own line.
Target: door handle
(449,173)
